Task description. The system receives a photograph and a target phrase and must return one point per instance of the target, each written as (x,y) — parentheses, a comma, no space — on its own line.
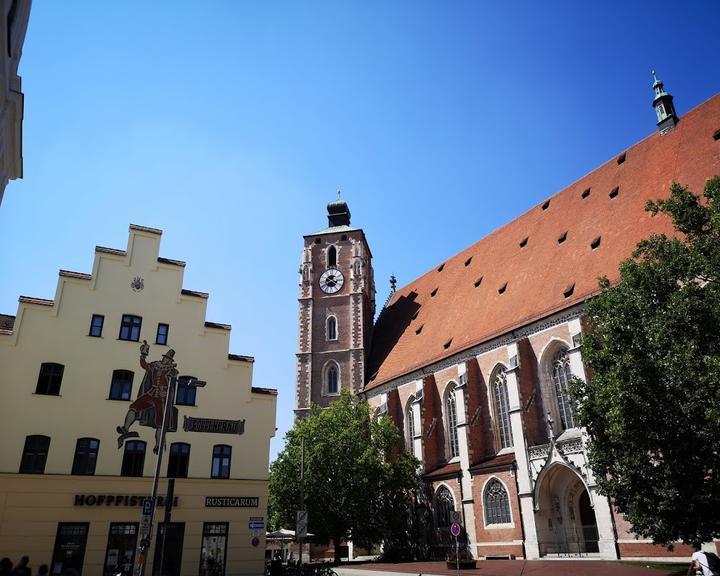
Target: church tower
(337,305)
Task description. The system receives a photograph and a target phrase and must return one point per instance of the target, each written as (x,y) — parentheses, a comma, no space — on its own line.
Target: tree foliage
(651,404)
(359,482)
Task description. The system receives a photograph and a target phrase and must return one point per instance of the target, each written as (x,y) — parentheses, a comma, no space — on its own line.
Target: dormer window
(332,257)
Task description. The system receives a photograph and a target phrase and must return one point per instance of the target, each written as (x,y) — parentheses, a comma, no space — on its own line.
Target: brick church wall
(504,538)
(477,410)
(530,395)
(433,437)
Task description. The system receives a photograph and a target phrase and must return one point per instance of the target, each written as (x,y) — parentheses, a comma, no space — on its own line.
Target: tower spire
(338,212)
(664,107)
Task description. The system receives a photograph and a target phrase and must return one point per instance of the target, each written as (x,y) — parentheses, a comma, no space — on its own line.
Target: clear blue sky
(231,124)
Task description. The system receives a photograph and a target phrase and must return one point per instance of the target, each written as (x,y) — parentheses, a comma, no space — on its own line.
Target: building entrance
(565,518)
(169,561)
(69,549)
(120,555)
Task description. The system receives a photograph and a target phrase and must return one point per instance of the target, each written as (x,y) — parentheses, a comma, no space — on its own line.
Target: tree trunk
(337,542)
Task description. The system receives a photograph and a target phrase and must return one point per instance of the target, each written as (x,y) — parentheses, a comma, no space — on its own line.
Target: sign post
(455,531)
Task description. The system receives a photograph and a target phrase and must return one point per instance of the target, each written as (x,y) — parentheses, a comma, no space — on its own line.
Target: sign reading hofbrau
(232,501)
(116,500)
(212,425)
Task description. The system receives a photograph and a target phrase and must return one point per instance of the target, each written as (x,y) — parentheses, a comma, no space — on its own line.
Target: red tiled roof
(241,358)
(145,229)
(33,300)
(494,463)
(217,325)
(79,275)
(171,261)
(107,250)
(267,391)
(497,285)
(445,471)
(194,293)
(7,322)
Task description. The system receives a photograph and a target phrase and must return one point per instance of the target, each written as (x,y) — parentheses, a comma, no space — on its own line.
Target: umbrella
(282,534)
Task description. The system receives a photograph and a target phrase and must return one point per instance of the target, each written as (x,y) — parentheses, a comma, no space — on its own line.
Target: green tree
(651,404)
(359,482)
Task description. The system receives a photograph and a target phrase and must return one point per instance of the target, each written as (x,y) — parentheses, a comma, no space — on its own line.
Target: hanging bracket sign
(213,425)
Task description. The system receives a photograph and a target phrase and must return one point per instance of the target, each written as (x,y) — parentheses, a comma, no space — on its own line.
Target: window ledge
(508,450)
(505,526)
(47,395)
(454,459)
(119,399)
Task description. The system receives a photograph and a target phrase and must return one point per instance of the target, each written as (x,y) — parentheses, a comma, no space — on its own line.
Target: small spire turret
(664,107)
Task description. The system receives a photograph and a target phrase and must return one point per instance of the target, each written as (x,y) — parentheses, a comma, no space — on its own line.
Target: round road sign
(255,541)
(455,530)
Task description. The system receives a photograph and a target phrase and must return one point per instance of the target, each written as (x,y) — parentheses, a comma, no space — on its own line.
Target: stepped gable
(547,259)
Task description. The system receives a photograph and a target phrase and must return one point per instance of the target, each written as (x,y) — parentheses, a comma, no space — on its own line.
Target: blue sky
(230,125)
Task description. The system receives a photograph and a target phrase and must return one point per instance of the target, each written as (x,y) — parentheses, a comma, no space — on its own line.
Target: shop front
(92,525)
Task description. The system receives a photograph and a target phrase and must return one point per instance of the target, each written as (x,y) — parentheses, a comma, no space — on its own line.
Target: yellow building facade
(73,371)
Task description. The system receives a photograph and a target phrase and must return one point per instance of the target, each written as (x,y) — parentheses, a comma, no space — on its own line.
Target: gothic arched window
(410,425)
(561,377)
(331,328)
(332,257)
(496,503)
(451,421)
(332,379)
(444,506)
(502,408)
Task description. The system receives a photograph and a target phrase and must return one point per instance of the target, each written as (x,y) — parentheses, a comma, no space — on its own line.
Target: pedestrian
(6,567)
(702,564)
(22,568)
(43,570)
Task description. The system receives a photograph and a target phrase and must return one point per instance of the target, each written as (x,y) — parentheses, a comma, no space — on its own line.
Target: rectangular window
(96,325)
(185,395)
(69,551)
(179,460)
(214,548)
(162,334)
(50,379)
(121,385)
(34,454)
(130,328)
(133,458)
(221,461)
(120,555)
(86,453)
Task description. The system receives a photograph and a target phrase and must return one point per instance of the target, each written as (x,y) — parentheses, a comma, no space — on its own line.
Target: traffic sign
(301,525)
(455,530)
(455,517)
(256,523)
(147,506)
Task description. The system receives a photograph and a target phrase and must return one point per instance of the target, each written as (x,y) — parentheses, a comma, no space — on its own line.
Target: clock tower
(337,305)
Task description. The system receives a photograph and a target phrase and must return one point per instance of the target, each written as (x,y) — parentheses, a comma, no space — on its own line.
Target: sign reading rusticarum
(212,425)
(232,501)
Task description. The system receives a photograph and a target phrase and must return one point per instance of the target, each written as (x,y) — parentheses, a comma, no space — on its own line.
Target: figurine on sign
(148,407)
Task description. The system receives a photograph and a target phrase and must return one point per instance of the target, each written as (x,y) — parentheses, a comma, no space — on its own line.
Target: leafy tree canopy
(359,482)
(652,403)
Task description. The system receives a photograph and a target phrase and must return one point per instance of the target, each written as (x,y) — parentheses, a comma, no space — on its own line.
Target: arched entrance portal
(565,518)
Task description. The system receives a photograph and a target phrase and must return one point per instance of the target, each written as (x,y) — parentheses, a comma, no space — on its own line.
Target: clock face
(331,281)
